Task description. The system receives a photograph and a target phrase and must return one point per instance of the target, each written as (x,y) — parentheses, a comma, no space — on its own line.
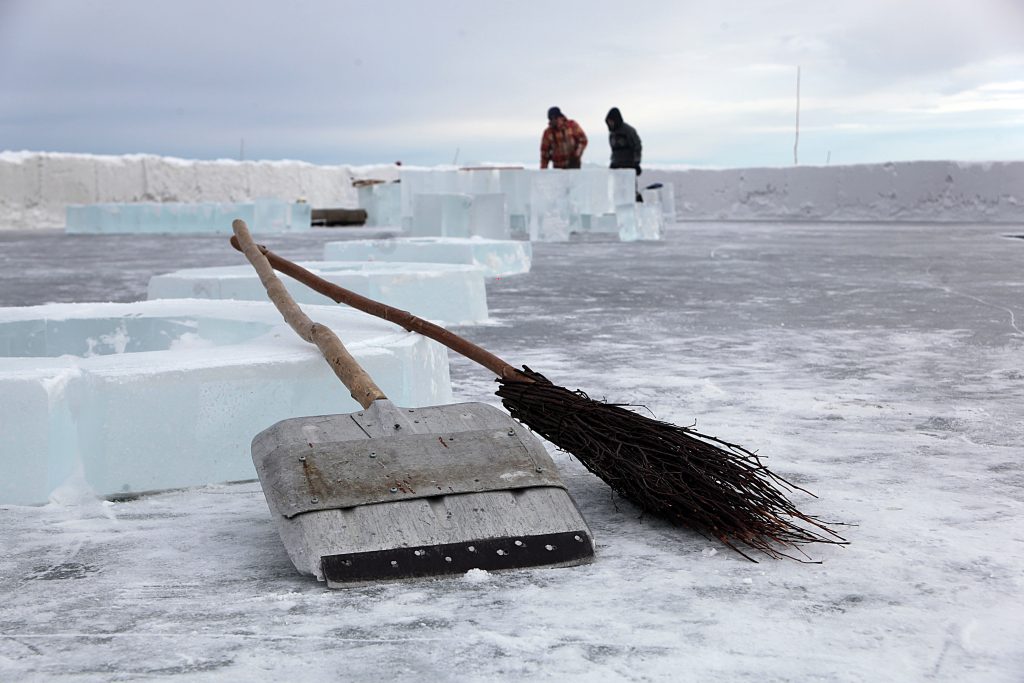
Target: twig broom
(717,488)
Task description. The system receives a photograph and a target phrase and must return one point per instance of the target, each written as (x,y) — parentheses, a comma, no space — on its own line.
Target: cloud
(363,82)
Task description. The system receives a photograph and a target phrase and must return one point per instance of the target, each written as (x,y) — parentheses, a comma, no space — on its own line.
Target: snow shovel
(392,493)
(718,488)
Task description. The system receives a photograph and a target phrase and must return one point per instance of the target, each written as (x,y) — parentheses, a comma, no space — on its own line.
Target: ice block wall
(262,216)
(35,188)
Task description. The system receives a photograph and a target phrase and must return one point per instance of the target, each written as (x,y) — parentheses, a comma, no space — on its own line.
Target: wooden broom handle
(360,385)
(402,318)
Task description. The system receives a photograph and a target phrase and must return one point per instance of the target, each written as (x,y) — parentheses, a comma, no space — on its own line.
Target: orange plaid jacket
(559,145)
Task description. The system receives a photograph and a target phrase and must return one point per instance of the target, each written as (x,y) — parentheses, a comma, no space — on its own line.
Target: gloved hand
(638,170)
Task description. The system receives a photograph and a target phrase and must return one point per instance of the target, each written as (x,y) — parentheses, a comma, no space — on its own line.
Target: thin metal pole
(796,143)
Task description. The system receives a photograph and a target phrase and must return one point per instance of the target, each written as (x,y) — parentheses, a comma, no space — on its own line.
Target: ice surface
(164,394)
(497,257)
(447,293)
(879,366)
(263,216)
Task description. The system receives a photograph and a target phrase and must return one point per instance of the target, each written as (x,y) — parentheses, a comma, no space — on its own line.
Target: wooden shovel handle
(402,318)
(359,384)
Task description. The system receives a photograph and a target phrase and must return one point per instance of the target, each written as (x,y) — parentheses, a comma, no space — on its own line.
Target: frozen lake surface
(880,366)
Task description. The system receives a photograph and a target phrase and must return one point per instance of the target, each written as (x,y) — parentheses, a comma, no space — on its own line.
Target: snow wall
(941,191)
(36,187)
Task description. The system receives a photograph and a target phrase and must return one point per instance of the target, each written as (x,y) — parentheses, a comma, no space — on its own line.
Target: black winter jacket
(624,141)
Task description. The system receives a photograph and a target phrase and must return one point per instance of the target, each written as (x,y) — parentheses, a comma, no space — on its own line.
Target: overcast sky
(439,81)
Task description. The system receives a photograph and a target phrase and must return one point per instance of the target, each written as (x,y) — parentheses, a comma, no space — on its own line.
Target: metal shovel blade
(393,493)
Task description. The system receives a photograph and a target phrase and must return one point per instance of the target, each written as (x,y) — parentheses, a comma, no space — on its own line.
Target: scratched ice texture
(877,365)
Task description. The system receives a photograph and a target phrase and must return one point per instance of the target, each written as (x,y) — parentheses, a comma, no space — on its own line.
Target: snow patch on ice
(477,576)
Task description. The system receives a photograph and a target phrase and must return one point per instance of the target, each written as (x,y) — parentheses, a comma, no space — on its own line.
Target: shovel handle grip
(410,322)
(360,385)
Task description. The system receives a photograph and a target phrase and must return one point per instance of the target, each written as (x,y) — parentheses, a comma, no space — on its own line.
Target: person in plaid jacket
(563,142)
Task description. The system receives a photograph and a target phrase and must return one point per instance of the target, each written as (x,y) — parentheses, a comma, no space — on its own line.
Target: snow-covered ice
(132,397)
(447,293)
(878,365)
(497,257)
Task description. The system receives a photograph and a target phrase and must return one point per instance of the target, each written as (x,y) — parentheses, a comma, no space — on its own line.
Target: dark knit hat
(554,113)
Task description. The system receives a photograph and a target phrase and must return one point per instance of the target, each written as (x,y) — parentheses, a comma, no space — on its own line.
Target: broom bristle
(716,488)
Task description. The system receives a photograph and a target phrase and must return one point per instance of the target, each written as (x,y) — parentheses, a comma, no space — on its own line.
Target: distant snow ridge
(939,191)
(35,188)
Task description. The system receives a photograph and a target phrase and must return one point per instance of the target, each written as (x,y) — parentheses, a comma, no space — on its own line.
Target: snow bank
(35,188)
(945,191)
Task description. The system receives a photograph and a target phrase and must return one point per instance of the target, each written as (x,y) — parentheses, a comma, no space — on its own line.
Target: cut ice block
(497,257)
(607,223)
(488,217)
(623,186)
(554,209)
(593,191)
(649,221)
(667,197)
(263,215)
(626,217)
(417,182)
(442,292)
(165,394)
(515,185)
(383,204)
(441,215)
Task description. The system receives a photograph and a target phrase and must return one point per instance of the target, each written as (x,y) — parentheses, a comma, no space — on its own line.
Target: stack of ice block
(545,205)
(455,203)
(263,216)
(126,398)
(497,258)
(446,293)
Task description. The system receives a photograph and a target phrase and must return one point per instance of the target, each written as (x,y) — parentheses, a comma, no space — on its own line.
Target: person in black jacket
(625,143)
